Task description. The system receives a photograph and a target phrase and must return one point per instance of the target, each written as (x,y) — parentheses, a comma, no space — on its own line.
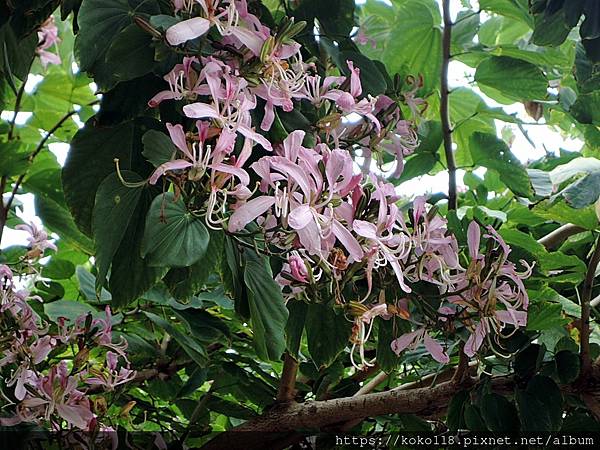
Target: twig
(287,385)
(556,237)
(33,155)
(586,297)
(444,106)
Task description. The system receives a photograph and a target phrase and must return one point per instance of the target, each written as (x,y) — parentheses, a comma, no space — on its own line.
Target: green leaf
(268,312)
(499,414)
(113,209)
(515,9)
(529,360)
(184,282)
(586,108)
(131,276)
(58,269)
(473,419)
(193,349)
(415,42)
(456,410)
(173,237)
(551,29)
(583,192)
(14,159)
(68,309)
(295,326)
(57,218)
(540,405)
(545,316)
(567,365)
(131,54)
(102,145)
(327,333)
(513,78)
(158,147)
(100,21)
(489,151)
(373,82)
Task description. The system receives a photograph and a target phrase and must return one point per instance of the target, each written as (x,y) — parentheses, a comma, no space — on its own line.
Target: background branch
(444,106)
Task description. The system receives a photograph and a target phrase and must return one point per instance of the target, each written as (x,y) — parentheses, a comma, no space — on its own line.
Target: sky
(460,74)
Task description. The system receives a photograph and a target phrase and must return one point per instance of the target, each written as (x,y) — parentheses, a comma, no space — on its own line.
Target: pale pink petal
(76,415)
(517,318)
(475,340)
(187,30)
(250,39)
(406,340)
(269,117)
(200,111)
(348,241)
(178,164)
(436,350)
(236,171)
(163,95)
(300,217)
(473,239)
(178,137)
(254,136)
(365,229)
(248,212)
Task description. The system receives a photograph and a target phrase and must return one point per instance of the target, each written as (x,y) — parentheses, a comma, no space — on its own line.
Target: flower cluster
(332,222)
(49,378)
(48,38)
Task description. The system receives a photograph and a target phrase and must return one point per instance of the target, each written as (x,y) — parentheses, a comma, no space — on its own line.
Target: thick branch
(559,235)
(586,298)
(287,384)
(444,106)
(426,401)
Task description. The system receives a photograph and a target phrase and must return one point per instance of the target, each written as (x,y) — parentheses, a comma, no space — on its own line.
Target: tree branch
(586,298)
(425,401)
(559,235)
(33,155)
(287,384)
(444,106)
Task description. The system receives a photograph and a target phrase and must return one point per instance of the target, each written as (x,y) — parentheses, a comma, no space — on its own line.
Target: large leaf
(115,205)
(102,145)
(489,151)
(131,54)
(193,349)
(540,405)
(498,413)
(327,333)
(515,9)
(187,281)
(131,276)
(100,21)
(514,79)
(173,236)
(415,42)
(268,312)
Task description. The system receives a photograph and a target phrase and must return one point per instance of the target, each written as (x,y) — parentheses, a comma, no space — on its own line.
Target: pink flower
(495,323)
(197,158)
(47,38)
(414,339)
(38,240)
(184,83)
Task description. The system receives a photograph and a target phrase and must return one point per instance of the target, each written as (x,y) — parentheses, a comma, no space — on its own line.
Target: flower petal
(187,30)
(249,211)
(435,349)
